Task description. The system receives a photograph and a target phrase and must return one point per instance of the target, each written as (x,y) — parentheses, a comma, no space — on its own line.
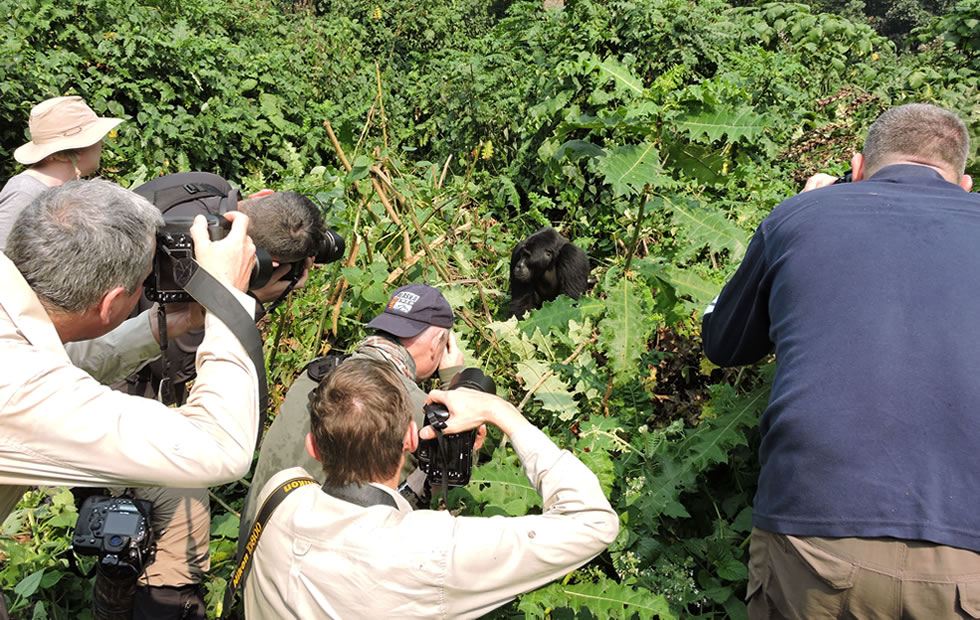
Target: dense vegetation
(439,133)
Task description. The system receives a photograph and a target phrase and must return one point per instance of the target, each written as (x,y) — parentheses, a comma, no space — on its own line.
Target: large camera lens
(331,249)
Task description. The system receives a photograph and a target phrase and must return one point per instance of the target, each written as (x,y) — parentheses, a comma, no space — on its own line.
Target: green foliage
(655,135)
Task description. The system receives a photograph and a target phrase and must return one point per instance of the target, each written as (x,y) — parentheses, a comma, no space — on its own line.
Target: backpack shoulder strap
(171,190)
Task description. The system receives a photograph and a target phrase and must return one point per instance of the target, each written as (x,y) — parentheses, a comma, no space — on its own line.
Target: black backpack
(190,193)
(182,194)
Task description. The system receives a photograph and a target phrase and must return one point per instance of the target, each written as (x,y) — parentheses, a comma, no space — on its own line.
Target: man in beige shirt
(73,267)
(372,556)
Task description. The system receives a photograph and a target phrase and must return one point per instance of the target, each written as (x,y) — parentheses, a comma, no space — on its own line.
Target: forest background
(437,134)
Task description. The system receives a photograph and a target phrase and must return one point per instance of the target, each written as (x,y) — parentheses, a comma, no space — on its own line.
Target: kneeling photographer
(355,548)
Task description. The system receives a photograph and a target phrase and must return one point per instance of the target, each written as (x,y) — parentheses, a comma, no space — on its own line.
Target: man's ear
(966,182)
(857,167)
(111,304)
(311,447)
(411,443)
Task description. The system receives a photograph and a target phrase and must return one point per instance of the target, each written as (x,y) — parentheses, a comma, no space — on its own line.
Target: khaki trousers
(814,578)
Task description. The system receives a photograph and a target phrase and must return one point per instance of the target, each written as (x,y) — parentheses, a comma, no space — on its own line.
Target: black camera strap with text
(246,548)
(364,495)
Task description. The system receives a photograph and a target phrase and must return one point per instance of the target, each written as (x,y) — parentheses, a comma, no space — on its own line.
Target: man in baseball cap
(66,144)
(412,309)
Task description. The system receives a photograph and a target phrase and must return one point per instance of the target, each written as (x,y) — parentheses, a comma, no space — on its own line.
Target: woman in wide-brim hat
(66,144)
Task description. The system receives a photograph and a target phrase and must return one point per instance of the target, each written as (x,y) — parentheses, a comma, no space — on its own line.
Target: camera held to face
(174,246)
(331,248)
(450,457)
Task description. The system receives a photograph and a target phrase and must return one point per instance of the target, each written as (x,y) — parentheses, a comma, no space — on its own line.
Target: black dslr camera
(117,530)
(174,245)
(449,458)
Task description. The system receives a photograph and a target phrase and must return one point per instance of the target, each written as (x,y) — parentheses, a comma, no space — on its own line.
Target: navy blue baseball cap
(412,309)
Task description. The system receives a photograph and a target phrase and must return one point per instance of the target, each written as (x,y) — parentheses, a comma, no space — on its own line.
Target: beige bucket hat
(60,124)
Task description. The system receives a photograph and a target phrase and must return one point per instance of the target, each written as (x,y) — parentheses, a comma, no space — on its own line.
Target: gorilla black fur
(542,267)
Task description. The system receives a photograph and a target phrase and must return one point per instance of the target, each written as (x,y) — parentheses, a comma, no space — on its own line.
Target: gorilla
(542,267)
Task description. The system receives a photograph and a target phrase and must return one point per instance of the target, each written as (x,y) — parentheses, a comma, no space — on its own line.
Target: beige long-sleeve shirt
(60,426)
(322,557)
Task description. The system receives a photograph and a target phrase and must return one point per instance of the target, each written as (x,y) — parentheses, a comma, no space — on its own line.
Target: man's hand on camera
(819,180)
(230,259)
(181,318)
(453,355)
(468,409)
(278,282)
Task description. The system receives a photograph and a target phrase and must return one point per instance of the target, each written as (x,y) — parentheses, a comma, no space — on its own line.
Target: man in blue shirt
(869,495)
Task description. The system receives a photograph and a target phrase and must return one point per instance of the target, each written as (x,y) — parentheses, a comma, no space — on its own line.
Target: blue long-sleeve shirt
(867,293)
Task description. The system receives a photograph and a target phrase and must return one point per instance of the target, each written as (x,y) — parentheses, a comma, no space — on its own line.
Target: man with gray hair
(869,495)
(74,264)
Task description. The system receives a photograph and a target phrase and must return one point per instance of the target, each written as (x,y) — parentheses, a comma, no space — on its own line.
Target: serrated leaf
(706,227)
(605,599)
(696,161)
(686,282)
(553,394)
(713,123)
(501,483)
(709,442)
(624,331)
(555,315)
(629,168)
(612,69)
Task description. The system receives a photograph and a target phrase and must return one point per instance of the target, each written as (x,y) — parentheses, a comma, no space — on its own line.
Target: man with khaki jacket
(356,549)
(74,263)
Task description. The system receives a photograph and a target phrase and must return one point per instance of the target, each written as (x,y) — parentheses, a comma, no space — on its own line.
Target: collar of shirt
(908,173)
(25,311)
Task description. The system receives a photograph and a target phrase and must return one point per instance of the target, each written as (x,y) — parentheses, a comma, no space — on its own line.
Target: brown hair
(358,415)
(919,131)
(287,225)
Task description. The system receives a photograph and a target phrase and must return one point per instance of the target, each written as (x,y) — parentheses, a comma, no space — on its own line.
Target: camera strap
(364,495)
(243,559)
(219,301)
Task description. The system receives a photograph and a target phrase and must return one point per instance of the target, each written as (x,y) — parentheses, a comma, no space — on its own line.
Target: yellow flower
(377,13)
(874,56)
(487,150)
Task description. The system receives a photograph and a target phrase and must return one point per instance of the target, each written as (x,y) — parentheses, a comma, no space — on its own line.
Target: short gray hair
(79,240)
(919,131)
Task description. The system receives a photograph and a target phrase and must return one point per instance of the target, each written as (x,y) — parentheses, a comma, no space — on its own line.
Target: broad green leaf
(501,482)
(555,315)
(605,599)
(696,161)
(360,168)
(628,168)
(686,282)
(28,585)
(714,124)
(577,149)
(612,69)
(225,525)
(624,331)
(272,110)
(553,394)
(706,227)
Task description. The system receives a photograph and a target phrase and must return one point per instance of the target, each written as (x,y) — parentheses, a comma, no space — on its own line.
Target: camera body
(174,249)
(117,530)
(451,456)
